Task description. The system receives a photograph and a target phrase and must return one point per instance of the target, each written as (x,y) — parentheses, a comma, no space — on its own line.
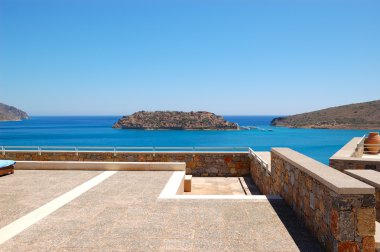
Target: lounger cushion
(6,163)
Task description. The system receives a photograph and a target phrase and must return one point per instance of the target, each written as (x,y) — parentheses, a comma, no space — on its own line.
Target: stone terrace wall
(350,157)
(261,176)
(338,209)
(197,164)
(342,164)
(371,178)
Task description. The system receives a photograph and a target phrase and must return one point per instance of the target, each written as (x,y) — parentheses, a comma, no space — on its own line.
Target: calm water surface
(96,131)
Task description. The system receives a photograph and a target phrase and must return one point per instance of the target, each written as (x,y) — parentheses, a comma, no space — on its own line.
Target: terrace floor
(123,213)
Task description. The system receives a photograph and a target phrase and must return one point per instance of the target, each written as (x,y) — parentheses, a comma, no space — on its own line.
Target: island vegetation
(10,113)
(364,115)
(175,120)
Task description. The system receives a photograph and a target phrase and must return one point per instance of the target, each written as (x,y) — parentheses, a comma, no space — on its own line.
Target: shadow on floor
(252,188)
(297,230)
(295,227)
(3,175)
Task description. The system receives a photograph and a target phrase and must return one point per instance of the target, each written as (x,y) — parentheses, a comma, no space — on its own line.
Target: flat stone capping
(265,156)
(370,177)
(100,166)
(335,180)
(348,149)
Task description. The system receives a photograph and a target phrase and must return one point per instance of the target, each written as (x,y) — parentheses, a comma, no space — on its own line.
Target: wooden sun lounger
(7,167)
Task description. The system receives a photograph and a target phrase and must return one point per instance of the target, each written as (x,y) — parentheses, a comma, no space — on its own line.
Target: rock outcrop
(354,116)
(9,113)
(174,120)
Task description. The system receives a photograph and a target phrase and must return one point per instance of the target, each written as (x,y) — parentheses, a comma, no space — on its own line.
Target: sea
(319,144)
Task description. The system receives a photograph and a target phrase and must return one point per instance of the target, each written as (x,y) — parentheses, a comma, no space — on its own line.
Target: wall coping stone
(348,149)
(265,156)
(370,177)
(335,180)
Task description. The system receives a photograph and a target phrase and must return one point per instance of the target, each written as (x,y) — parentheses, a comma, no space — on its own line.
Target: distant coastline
(10,113)
(353,116)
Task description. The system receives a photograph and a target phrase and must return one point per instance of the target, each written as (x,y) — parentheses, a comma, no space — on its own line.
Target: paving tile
(211,245)
(177,245)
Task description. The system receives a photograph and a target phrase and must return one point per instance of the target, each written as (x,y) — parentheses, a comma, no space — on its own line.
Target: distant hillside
(9,113)
(201,120)
(364,115)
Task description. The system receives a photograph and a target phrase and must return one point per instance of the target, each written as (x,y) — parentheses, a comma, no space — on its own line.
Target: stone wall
(342,164)
(350,157)
(197,164)
(337,209)
(371,178)
(261,176)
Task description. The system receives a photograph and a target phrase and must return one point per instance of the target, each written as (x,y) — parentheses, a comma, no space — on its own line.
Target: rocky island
(174,120)
(9,113)
(364,115)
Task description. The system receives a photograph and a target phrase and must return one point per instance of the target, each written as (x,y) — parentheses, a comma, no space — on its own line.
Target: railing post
(76,151)
(114,151)
(3,150)
(39,150)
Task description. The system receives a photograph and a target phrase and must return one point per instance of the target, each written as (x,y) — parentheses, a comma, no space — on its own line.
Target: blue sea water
(96,131)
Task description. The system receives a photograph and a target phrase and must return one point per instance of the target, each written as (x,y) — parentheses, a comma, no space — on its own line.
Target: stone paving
(123,213)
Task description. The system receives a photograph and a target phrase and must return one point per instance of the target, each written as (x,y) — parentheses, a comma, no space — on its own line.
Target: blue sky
(77,57)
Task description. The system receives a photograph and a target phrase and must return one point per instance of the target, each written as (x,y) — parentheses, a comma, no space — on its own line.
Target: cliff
(364,115)
(9,113)
(174,120)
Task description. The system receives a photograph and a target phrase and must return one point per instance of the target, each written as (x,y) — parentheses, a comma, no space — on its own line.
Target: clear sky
(272,57)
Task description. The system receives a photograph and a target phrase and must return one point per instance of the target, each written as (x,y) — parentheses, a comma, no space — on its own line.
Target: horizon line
(132,113)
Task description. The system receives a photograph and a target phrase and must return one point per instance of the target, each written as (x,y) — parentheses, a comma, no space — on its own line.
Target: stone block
(346,226)
(292,178)
(368,200)
(366,219)
(334,218)
(239,165)
(309,183)
(213,170)
(348,246)
(369,244)
(311,196)
(343,204)
(228,159)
